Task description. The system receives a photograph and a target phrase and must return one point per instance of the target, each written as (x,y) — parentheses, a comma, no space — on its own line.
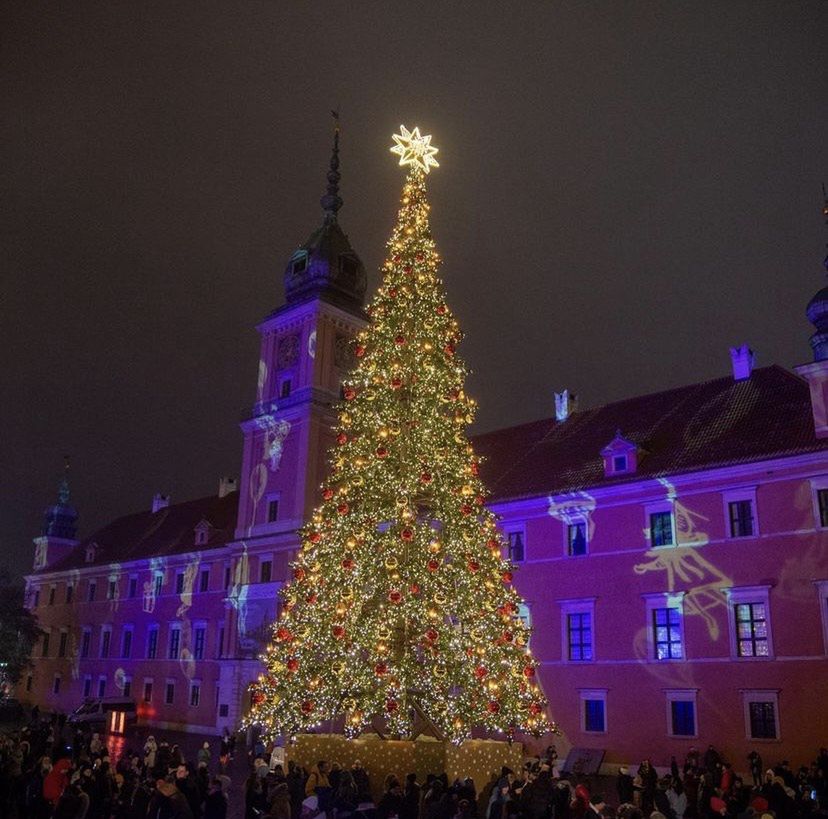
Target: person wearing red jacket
(56,781)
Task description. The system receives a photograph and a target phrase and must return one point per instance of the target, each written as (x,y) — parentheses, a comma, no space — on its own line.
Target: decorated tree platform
(481,759)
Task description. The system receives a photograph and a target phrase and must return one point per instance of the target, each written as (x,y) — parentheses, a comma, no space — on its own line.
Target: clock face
(312,344)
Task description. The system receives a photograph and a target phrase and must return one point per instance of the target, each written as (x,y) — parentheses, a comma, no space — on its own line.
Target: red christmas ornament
(535,708)
(441,310)
(480,672)
(475,468)
(425,477)
(359,351)
(328,494)
(408,269)
(395,596)
(299,574)
(432,635)
(395,258)
(507,636)
(380,669)
(419,256)
(528,671)
(506,577)
(382,452)
(338,632)
(257,698)
(283,634)
(342,438)
(396,383)
(349,393)
(432,565)
(449,350)
(479,500)
(392,292)
(493,544)
(493,707)
(391,706)
(407,534)
(342,508)
(315,537)
(347,564)
(307,707)
(399,340)
(466,509)
(414,588)
(473,566)
(311,599)
(292,664)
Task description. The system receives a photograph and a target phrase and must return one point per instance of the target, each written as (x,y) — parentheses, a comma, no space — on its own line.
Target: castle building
(672,548)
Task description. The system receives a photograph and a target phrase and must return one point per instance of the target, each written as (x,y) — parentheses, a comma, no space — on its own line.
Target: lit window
(749,622)
(667,633)
(751,629)
(594,711)
(661,529)
(195,693)
(175,642)
(169,692)
(579,635)
(516,546)
(761,709)
(741,518)
(681,713)
(265,571)
(576,539)
(272,510)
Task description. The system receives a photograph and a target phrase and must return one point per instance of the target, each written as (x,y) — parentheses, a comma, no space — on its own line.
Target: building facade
(672,548)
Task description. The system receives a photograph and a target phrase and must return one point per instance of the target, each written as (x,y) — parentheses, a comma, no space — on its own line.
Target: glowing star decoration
(414,149)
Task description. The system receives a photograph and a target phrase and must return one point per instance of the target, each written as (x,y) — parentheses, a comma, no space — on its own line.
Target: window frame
(169,686)
(742,595)
(132,587)
(269,563)
(101,686)
(91,590)
(664,600)
(204,580)
(85,642)
(576,521)
(271,498)
(584,605)
(518,530)
(672,695)
(86,688)
(63,642)
(822,598)
(56,681)
(590,695)
(174,647)
(151,647)
(199,646)
(105,643)
(147,689)
(126,650)
(818,484)
(195,689)
(751,695)
(747,493)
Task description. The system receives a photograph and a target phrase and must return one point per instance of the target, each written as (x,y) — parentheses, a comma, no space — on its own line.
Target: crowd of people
(49,770)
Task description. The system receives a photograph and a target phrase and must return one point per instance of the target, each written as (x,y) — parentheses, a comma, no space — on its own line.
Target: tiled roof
(699,426)
(168,531)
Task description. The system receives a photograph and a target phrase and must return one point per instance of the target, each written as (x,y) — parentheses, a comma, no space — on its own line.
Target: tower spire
(63,489)
(331,202)
(817,310)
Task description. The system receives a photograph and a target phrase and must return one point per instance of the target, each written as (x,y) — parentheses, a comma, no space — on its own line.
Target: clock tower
(305,353)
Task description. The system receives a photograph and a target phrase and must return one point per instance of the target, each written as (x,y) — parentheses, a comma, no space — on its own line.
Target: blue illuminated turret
(61,519)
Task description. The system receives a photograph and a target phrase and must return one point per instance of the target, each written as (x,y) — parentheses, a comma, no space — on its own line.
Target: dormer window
(620,456)
(299,263)
(202,532)
(90,553)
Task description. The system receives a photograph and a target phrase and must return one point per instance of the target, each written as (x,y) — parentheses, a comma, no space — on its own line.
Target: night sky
(625,191)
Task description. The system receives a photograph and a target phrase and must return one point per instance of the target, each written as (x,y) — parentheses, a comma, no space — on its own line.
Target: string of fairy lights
(401,605)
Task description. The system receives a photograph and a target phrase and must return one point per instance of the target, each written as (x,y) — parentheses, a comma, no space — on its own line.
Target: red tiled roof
(168,531)
(699,426)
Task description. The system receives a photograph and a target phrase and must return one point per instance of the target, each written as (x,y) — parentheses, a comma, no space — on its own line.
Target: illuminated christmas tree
(401,606)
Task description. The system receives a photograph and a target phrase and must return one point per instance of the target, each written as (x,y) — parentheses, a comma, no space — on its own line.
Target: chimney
(159,502)
(742,360)
(565,404)
(227,486)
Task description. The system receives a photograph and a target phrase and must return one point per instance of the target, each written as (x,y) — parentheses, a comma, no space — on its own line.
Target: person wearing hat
(624,786)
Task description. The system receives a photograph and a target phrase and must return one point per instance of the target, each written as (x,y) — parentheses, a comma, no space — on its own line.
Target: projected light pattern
(114,586)
(152,586)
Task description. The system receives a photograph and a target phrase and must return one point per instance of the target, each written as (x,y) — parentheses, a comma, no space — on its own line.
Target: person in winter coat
(411,798)
(215,804)
(150,751)
(280,806)
(649,778)
(56,780)
(204,754)
(624,786)
(536,798)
